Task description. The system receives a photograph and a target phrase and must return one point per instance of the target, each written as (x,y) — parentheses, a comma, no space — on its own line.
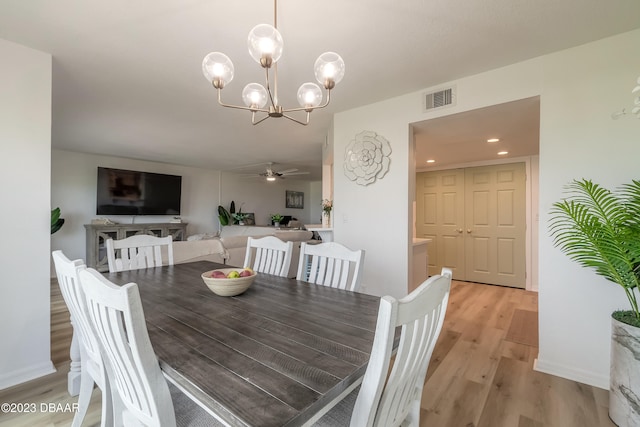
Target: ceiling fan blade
(286,171)
(295,173)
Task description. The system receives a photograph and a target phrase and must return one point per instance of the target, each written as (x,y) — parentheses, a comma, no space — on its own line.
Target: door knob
(468,230)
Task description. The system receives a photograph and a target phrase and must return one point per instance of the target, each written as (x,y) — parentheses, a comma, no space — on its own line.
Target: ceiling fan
(272,175)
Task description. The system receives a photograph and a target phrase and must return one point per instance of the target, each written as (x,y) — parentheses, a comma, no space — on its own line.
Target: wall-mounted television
(126,192)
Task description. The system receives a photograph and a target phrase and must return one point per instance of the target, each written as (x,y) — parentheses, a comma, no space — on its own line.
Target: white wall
(264,198)
(25,144)
(315,198)
(582,87)
(579,89)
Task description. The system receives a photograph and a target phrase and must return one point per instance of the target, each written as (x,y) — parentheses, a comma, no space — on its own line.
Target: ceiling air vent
(439,99)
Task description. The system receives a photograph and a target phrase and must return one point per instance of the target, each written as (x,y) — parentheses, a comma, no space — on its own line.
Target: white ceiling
(127,75)
(462,138)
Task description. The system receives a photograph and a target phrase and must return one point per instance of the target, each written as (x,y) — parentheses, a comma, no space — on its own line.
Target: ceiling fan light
(309,95)
(217,69)
(265,44)
(254,95)
(271,178)
(329,69)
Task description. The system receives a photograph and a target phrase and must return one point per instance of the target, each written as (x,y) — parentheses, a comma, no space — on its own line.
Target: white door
(440,217)
(476,219)
(495,224)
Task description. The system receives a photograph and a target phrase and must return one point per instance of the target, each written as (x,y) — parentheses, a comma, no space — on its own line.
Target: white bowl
(226,287)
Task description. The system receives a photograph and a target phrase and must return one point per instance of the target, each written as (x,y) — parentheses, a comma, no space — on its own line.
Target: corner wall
(25,141)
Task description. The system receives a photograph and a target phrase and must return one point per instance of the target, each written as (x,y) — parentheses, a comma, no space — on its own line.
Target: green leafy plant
(276,217)
(56,221)
(223,215)
(600,229)
(327,206)
(239,216)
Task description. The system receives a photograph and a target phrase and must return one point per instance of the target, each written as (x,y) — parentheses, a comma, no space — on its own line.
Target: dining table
(280,354)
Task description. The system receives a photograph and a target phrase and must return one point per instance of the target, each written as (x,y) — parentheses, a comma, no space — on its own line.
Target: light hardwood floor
(480,375)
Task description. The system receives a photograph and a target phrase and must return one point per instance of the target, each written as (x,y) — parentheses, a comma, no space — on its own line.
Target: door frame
(531,208)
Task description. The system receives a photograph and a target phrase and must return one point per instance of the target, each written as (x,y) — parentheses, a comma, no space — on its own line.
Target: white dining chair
(139,251)
(269,255)
(393,399)
(92,370)
(141,395)
(331,264)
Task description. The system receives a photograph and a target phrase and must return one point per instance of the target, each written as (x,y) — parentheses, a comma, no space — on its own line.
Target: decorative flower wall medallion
(366,158)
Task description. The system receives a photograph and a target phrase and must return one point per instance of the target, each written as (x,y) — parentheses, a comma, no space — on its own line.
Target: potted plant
(276,218)
(327,206)
(56,221)
(239,217)
(600,229)
(223,215)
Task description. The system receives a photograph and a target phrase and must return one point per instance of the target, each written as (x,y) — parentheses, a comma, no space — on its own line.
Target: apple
(233,275)
(217,274)
(245,273)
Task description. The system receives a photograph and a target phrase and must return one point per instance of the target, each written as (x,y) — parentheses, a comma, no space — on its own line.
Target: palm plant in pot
(600,229)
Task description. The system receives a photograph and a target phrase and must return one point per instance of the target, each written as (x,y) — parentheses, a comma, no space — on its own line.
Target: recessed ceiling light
(502,153)
(493,140)
(431,161)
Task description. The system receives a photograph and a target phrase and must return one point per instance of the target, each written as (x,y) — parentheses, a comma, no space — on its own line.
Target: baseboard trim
(27,374)
(571,373)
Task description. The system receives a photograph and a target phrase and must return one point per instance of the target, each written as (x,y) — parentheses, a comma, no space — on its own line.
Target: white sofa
(230,246)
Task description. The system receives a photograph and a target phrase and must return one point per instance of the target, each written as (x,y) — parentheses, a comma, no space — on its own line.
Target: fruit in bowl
(228,282)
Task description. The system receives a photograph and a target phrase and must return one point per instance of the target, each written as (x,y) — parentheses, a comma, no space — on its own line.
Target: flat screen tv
(125,192)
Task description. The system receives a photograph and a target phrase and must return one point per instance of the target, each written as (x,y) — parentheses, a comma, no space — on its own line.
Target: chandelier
(265,47)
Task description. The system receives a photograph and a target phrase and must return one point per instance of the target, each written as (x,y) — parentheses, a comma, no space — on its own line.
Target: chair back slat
(91,364)
(394,399)
(137,252)
(269,255)
(330,264)
(118,319)
(67,274)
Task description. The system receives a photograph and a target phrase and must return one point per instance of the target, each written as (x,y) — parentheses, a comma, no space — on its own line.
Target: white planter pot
(624,389)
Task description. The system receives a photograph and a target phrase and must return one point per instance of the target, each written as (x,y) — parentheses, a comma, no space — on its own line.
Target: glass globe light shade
(254,95)
(329,69)
(309,95)
(265,42)
(218,69)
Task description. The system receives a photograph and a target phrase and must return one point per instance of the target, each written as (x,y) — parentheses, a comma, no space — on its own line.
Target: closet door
(495,224)
(440,217)
(476,220)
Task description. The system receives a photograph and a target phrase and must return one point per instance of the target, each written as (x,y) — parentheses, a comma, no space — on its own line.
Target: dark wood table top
(272,356)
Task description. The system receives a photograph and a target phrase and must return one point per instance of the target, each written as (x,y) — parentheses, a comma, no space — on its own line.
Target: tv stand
(97,234)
